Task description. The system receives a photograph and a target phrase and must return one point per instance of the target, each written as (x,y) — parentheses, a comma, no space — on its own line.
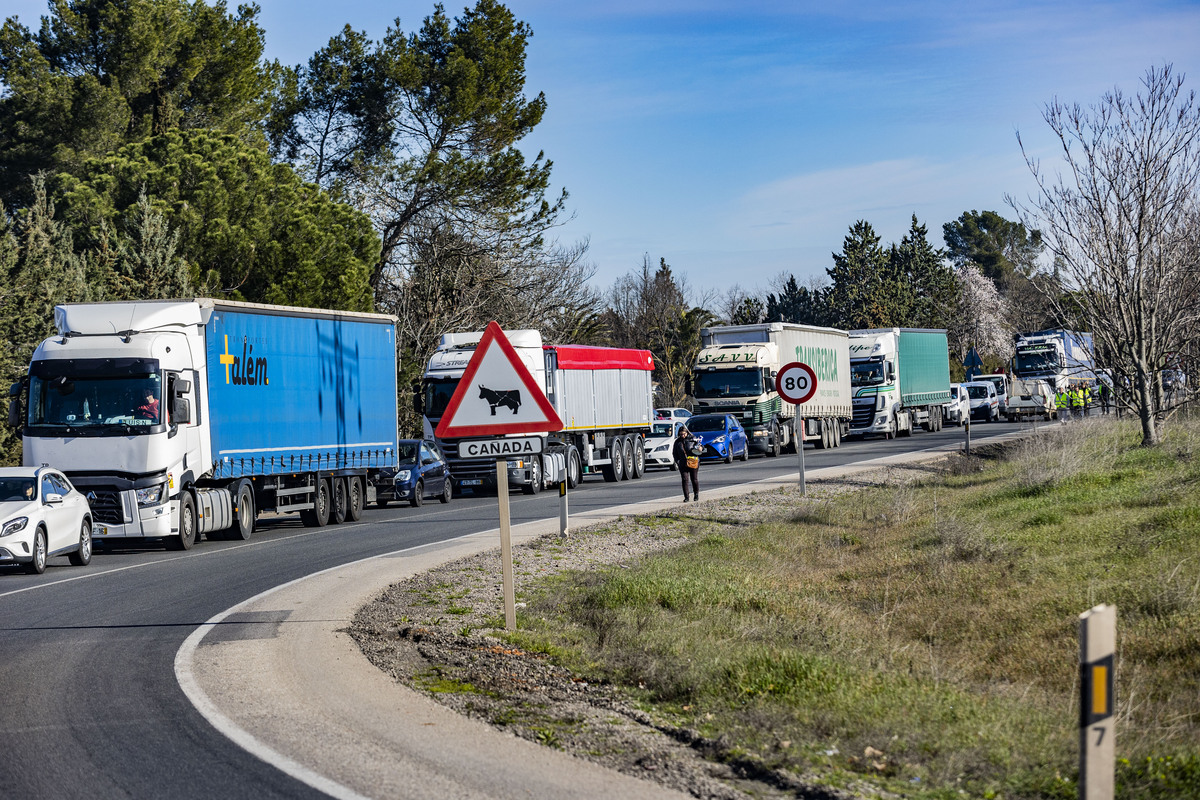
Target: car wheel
(38,565)
(535,477)
(83,556)
(186,537)
(354,507)
(746,451)
(341,499)
(243,512)
(447,490)
(418,494)
(729,454)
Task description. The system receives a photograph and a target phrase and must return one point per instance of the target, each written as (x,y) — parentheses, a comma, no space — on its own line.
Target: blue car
(420,473)
(722,435)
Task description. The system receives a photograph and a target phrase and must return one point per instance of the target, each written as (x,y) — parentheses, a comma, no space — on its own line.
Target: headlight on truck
(14,525)
(151,495)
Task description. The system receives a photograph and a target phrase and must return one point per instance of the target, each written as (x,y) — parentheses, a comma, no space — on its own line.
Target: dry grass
(924,633)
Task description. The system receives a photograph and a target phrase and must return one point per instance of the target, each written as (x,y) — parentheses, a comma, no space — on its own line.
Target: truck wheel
(639,456)
(574,468)
(614,470)
(187,524)
(837,434)
(318,515)
(535,477)
(341,499)
(355,495)
(243,512)
(773,446)
(418,494)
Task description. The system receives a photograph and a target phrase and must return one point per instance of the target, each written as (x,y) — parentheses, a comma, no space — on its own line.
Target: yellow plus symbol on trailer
(226,358)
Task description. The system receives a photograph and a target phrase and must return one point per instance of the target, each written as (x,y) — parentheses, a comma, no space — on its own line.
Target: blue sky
(741,140)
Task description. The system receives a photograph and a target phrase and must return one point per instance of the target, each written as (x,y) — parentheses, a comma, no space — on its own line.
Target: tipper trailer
(254,408)
(603,395)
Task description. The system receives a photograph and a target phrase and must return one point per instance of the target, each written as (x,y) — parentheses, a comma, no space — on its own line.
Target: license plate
(473,482)
(99,530)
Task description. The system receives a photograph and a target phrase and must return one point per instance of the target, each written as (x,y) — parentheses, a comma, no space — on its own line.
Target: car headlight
(151,495)
(719,440)
(14,525)
(403,475)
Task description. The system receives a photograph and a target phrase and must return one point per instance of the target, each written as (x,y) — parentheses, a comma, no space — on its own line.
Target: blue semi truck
(183,418)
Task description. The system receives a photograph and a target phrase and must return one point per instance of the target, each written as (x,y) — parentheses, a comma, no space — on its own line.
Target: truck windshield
(728,383)
(437,396)
(1036,361)
(869,373)
(90,398)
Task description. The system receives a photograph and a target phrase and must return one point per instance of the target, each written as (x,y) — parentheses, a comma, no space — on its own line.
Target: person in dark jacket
(686,454)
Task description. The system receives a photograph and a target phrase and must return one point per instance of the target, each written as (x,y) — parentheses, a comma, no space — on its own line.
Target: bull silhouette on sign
(509,398)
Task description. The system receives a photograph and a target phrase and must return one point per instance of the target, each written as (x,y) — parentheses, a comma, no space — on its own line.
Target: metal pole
(800,450)
(510,597)
(1097,728)
(967,427)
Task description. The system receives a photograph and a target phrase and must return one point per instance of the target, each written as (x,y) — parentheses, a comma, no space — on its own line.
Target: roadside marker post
(1097,727)
(967,428)
(506,565)
(796,383)
(562,507)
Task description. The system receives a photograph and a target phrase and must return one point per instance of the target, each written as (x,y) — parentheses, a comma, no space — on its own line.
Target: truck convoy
(735,374)
(179,418)
(901,378)
(1059,357)
(603,395)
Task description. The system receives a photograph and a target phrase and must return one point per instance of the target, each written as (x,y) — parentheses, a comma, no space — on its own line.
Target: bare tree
(1121,222)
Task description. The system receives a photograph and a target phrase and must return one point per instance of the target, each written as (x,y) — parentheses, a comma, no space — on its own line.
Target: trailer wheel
(614,470)
(187,524)
(355,495)
(627,449)
(822,435)
(318,515)
(574,468)
(639,456)
(837,433)
(341,501)
(243,512)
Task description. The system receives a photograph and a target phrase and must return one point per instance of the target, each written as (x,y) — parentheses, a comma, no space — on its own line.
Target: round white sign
(796,383)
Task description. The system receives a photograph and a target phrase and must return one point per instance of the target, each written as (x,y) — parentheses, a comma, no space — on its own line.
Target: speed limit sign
(796,383)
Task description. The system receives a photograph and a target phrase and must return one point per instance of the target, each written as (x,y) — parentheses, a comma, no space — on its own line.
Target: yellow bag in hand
(693,462)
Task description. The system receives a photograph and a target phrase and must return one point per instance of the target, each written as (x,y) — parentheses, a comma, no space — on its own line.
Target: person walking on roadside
(686,454)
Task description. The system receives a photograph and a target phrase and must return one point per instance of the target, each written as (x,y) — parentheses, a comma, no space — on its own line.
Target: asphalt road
(91,707)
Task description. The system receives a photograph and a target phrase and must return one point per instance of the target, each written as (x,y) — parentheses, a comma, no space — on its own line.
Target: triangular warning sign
(496,395)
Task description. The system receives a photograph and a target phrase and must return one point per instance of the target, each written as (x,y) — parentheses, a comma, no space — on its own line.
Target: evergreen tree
(867,290)
(799,304)
(934,288)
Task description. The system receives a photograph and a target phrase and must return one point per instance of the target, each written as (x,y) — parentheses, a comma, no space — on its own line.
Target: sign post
(496,397)
(797,383)
(1097,728)
(562,507)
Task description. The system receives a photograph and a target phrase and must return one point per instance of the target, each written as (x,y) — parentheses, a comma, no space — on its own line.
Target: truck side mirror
(688,386)
(14,413)
(15,389)
(181,411)
(418,398)
(182,386)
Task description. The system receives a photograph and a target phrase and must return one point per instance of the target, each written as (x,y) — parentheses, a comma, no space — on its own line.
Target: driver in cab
(149,408)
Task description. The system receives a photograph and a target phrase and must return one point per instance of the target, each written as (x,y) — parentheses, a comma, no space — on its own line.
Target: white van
(985,404)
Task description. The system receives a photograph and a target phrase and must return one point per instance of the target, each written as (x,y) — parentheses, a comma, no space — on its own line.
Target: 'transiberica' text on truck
(603,395)
(735,374)
(901,379)
(186,417)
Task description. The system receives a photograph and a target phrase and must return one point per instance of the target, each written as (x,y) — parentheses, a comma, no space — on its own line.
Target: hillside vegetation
(920,638)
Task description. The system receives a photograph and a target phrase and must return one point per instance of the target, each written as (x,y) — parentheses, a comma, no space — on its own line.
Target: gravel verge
(432,633)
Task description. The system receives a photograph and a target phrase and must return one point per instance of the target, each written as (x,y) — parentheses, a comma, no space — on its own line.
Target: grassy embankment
(922,638)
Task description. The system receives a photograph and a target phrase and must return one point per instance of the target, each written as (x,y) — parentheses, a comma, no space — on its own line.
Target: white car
(661,442)
(958,409)
(985,405)
(41,516)
(671,413)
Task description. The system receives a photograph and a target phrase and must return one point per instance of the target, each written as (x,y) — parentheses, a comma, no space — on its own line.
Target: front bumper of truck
(131,514)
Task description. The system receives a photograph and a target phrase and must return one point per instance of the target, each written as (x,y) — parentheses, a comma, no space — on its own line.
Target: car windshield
(728,383)
(85,401)
(16,489)
(866,374)
(977,392)
(661,429)
(408,453)
(706,424)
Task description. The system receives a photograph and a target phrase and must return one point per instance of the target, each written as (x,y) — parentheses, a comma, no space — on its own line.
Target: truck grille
(863,414)
(106,506)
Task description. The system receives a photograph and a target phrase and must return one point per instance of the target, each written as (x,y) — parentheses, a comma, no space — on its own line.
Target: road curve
(277,675)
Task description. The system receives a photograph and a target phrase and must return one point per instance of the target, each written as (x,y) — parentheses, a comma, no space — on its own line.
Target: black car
(420,473)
